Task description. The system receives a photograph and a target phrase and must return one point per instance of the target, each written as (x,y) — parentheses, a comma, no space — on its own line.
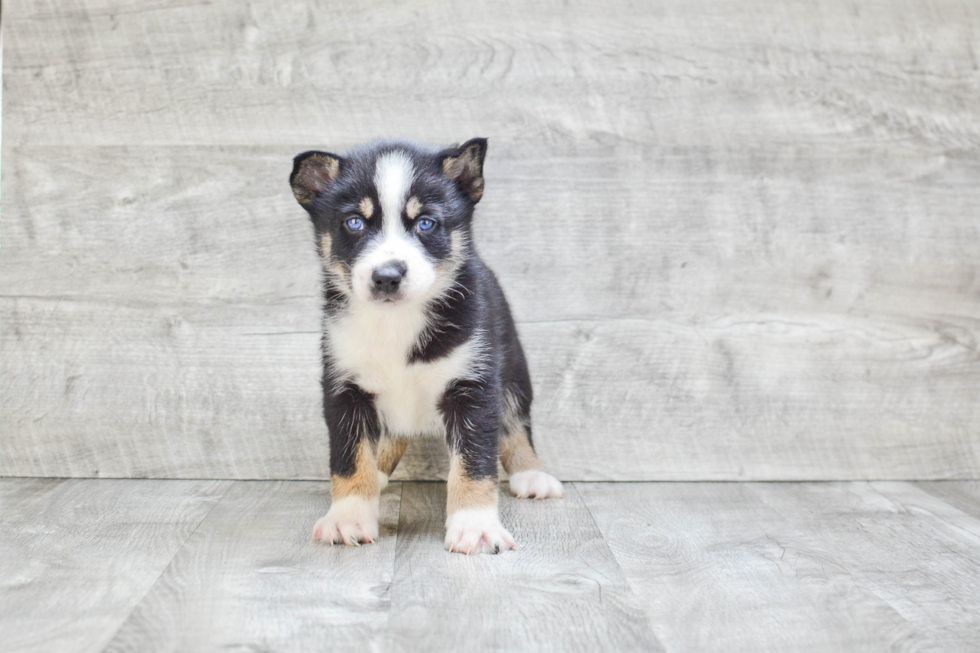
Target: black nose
(388,277)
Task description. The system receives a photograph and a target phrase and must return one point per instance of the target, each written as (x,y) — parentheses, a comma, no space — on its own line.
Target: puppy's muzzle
(387,279)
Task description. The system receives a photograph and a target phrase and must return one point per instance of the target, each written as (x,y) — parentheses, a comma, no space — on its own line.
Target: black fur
(350,415)
(331,188)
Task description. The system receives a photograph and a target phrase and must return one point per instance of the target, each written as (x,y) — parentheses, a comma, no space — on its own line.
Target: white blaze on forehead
(393,175)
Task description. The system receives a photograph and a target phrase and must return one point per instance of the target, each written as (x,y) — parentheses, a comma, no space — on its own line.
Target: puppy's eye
(354,224)
(425,224)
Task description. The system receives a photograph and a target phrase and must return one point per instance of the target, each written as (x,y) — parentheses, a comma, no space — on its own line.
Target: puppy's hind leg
(390,451)
(527,476)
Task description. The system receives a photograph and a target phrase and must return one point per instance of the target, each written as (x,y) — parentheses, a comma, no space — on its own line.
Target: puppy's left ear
(312,173)
(464,165)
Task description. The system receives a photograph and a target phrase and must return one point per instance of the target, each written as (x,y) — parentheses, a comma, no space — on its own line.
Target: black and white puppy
(418,339)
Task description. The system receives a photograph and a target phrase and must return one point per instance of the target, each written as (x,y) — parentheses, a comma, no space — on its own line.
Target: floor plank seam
(165,567)
(854,572)
(391,581)
(615,559)
(973,534)
(859,566)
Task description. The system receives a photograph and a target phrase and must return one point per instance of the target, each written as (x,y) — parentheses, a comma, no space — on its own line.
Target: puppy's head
(392,220)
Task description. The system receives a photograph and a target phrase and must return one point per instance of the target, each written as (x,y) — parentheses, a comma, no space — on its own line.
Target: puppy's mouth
(387,298)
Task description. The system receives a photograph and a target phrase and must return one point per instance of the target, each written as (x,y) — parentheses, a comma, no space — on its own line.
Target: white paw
(382,481)
(477,531)
(350,521)
(535,484)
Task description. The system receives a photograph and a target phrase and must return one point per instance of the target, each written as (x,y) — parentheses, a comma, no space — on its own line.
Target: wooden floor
(152,565)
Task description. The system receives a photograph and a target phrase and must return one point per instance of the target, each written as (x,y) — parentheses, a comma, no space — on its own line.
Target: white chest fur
(370,345)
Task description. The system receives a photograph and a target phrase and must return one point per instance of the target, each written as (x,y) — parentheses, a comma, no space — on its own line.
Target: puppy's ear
(464,165)
(312,173)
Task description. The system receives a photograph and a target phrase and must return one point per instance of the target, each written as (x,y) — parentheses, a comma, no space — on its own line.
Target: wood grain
(554,75)
(250,578)
(640,231)
(123,565)
(717,568)
(962,495)
(560,590)
(76,556)
(150,394)
(738,239)
(211,391)
(910,548)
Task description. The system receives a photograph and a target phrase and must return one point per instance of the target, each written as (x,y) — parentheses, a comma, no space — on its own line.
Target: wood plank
(913,550)
(551,74)
(78,555)
(560,590)
(207,391)
(250,578)
(809,399)
(716,568)
(962,495)
(870,230)
(232,391)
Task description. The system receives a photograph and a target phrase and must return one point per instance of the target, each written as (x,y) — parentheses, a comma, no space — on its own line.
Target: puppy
(418,339)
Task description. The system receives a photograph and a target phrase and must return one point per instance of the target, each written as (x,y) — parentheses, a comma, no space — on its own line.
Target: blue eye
(425,224)
(355,224)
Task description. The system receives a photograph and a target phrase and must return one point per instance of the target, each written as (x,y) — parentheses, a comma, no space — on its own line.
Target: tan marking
(367,207)
(475,189)
(448,267)
(338,270)
(456,242)
(467,170)
(413,207)
(315,174)
(338,274)
(363,482)
(516,452)
(463,492)
(332,165)
(452,166)
(390,451)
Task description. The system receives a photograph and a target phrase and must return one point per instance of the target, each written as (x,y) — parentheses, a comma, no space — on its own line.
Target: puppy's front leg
(354,429)
(472,432)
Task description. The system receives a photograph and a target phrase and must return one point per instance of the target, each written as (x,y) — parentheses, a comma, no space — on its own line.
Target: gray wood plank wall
(740,238)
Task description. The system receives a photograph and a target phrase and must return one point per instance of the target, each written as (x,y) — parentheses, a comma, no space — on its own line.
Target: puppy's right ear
(312,173)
